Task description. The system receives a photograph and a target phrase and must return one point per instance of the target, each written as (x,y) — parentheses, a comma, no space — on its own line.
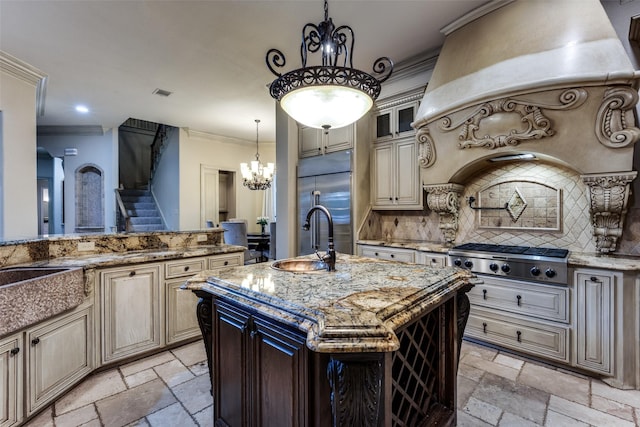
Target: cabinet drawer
(184,267)
(543,301)
(388,254)
(527,336)
(227,260)
(432,260)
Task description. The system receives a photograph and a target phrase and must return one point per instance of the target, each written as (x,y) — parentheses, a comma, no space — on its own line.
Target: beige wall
(198,148)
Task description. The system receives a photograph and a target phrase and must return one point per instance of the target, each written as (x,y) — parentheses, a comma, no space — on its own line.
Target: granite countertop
(115,259)
(575,259)
(357,308)
(409,244)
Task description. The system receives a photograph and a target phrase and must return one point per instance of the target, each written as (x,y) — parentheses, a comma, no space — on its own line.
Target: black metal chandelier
(255,175)
(333,94)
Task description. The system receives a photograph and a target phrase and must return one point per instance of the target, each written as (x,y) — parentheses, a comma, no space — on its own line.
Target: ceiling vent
(162,92)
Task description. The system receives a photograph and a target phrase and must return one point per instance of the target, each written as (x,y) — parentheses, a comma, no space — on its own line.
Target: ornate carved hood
(550,79)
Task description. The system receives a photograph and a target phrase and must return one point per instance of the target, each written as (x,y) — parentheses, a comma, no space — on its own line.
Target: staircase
(142,211)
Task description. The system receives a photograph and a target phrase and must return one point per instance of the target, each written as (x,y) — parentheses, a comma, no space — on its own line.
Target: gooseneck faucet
(330,257)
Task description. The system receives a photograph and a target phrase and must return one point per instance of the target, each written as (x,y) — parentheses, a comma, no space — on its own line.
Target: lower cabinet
(11,380)
(180,312)
(387,253)
(131,316)
(59,354)
(259,370)
(594,321)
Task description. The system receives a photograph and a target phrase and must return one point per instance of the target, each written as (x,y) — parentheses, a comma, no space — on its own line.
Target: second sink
(300,265)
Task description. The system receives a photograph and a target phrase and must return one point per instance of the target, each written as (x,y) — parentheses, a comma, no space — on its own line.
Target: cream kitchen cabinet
(387,253)
(180,308)
(395,176)
(431,259)
(594,322)
(59,353)
(395,121)
(315,142)
(130,311)
(11,380)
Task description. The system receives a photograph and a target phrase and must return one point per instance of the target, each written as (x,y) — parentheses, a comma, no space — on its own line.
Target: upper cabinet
(395,175)
(316,142)
(395,121)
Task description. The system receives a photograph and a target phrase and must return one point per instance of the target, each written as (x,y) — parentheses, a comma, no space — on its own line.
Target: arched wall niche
(89,198)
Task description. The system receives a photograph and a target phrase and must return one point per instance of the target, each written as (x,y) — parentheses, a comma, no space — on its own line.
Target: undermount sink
(29,295)
(300,265)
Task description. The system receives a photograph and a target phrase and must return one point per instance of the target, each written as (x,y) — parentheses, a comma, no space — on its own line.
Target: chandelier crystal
(333,94)
(255,175)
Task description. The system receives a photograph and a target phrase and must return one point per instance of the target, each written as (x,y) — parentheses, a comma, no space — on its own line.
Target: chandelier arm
(383,67)
(341,44)
(277,58)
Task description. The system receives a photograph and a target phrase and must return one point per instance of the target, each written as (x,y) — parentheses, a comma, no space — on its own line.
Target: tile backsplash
(550,191)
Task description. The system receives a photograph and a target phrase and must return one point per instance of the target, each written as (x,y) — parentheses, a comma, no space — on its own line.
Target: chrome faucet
(330,256)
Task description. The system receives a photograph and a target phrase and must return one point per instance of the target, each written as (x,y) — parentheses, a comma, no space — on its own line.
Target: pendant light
(255,175)
(333,94)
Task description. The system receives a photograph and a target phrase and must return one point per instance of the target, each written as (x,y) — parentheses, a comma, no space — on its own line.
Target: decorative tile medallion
(516,205)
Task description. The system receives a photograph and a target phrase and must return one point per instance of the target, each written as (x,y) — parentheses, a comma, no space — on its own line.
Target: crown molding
(221,138)
(473,15)
(84,130)
(418,64)
(27,73)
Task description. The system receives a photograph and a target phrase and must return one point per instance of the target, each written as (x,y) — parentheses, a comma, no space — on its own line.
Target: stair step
(147,227)
(142,212)
(140,206)
(145,220)
(134,192)
(134,199)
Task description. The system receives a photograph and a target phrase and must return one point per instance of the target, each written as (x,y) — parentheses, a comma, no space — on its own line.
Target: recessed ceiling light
(82,109)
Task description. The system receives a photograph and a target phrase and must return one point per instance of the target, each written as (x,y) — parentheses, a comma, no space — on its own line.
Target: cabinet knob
(594,279)
(186,268)
(226,263)
(396,198)
(132,273)
(393,256)
(35,341)
(391,198)
(15,351)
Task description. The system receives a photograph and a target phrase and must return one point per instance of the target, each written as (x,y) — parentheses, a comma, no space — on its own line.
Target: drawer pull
(484,327)
(15,351)
(393,256)
(519,298)
(484,294)
(132,273)
(518,333)
(594,279)
(186,268)
(226,263)
(35,341)
(376,254)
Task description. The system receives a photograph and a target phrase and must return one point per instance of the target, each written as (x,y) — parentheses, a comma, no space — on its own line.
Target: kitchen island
(373,343)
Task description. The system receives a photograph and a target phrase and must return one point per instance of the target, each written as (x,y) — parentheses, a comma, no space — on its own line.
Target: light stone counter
(357,308)
(609,262)
(409,244)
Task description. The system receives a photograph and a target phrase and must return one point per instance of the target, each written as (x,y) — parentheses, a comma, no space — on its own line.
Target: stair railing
(123,215)
(156,147)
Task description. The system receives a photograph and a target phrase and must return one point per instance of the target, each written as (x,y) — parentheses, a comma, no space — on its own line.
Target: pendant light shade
(333,94)
(255,175)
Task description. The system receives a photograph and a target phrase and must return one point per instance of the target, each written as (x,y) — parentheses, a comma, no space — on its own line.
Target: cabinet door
(131,315)
(338,139)
(11,380)
(279,375)
(594,321)
(230,365)
(383,171)
(404,116)
(59,354)
(309,142)
(408,188)
(182,321)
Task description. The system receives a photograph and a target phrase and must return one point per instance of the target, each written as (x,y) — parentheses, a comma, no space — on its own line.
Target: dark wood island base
(283,365)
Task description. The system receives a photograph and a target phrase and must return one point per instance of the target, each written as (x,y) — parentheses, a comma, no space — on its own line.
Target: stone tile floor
(171,389)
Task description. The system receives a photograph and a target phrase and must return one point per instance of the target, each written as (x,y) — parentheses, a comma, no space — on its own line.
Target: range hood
(547,78)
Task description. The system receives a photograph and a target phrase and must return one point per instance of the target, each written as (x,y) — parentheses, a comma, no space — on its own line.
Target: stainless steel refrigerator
(325,180)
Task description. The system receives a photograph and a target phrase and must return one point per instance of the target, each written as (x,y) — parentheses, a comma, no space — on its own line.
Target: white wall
(18,204)
(98,150)
(198,148)
(166,181)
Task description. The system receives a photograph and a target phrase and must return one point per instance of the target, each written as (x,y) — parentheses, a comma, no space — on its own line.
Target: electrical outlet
(201,238)
(86,246)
